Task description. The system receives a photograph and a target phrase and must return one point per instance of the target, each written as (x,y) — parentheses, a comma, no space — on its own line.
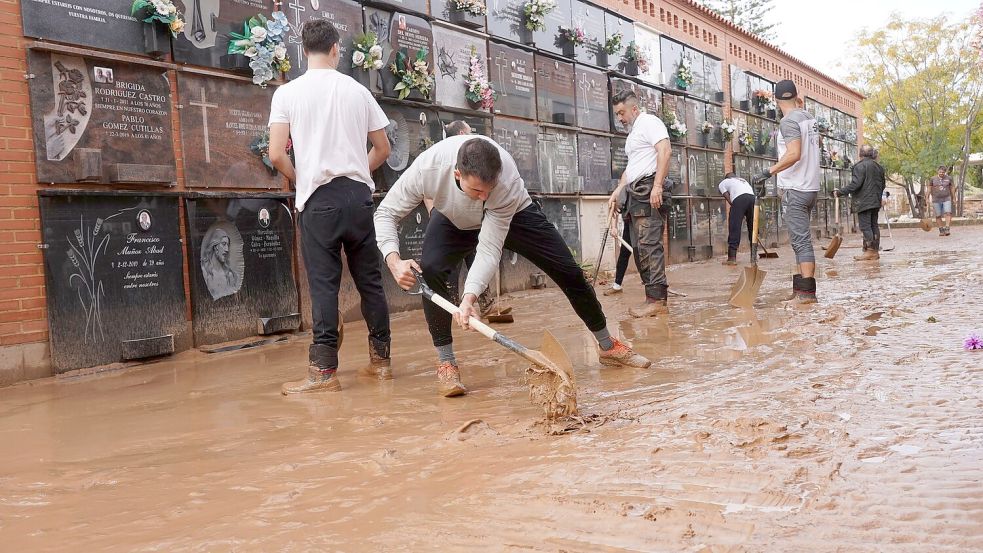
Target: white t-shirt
(330,116)
(647,131)
(804,174)
(736,186)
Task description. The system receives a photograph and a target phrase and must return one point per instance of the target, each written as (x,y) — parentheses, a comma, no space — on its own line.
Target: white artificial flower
(250,52)
(377,64)
(358,58)
(259,34)
(280,51)
(376,51)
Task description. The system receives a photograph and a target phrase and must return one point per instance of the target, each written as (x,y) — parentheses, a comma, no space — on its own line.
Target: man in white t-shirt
(798,183)
(641,183)
(740,197)
(329,116)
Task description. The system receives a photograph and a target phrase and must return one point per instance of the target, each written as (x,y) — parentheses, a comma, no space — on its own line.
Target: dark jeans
(339,215)
(742,208)
(624,256)
(531,236)
(868,226)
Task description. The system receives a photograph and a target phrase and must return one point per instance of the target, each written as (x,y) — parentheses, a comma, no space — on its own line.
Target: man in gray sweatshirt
(481,204)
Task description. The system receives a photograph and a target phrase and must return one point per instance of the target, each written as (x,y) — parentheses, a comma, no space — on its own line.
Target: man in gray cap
(798,183)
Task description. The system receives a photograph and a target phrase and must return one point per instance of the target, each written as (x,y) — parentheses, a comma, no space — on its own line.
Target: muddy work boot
(620,355)
(449,380)
(612,291)
(868,255)
(321,375)
(731,259)
(803,289)
(380,365)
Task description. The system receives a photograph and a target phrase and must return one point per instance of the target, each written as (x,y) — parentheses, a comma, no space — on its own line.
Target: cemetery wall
(65,180)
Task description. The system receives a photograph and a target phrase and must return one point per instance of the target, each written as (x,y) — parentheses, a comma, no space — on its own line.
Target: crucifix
(502,62)
(586,84)
(294,37)
(204,105)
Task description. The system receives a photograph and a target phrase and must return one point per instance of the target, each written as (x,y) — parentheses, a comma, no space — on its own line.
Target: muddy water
(852,425)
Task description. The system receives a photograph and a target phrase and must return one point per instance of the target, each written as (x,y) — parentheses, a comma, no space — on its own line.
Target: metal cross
(204,105)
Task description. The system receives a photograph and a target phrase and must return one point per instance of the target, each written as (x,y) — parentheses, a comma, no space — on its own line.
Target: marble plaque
(676,104)
(452,53)
(593,102)
(649,100)
(512,72)
(113,274)
(418,6)
(715,115)
(714,79)
(555,91)
(695,116)
(205,39)
(549,39)
(718,226)
(619,160)
(671,55)
(100,121)
(408,34)
(565,216)
(379,21)
(558,161)
(410,131)
(590,18)
(715,168)
(105,24)
(220,120)
(740,93)
(614,24)
(506,20)
(677,171)
(240,263)
(698,68)
(594,154)
(520,139)
(346,15)
(699,172)
(650,68)
(699,209)
(678,230)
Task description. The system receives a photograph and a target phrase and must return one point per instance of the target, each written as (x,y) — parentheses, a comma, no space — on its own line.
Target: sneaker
(317,381)
(613,291)
(621,355)
(941,231)
(449,380)
(947,231)
(651,308)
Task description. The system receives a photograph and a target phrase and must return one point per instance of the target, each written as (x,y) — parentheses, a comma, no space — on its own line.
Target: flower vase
(235,62)
(760,110)
(363,77)
(569,49)
(718,97)
(631,68)
(156,40)
(745,105)
(417,96)
(466,19)
(602,58)
(771,114)
(704,140)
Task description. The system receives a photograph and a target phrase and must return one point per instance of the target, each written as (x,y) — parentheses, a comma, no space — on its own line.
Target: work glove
(761,177)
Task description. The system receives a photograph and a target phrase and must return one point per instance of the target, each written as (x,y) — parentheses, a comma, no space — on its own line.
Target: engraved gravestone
(698,70)
(677,105)
(555,91)
(520,139)
(377,22)
(222,118)
(618,25)
(714,79)
(505,19)
(345,15)
(699,209)
(590,19)
(619,160)
(513,76)
(565,216)
(105,24)
(408,35)
(410,131)
(715,115)
(678,230)
(452,54)
(715,169)
(411,231)
(240,264)
(549,38)
(649,100)
(677,172)
(205,39)
(592,99)
(695,116)
(594,163)
(650,66)
(718,226)
(114,277)
(447,11)
(100,121)
(672,55)
(558,161)
(698,173)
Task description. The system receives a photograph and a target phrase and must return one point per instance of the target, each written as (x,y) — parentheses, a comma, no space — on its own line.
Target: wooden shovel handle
(754,225)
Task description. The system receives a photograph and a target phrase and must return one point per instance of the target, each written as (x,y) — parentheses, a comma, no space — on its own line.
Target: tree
(924,92)
(749,15)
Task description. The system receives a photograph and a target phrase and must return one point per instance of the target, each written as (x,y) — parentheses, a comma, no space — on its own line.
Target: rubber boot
(449,380)
(380,364)
(731,259)
(321,373)
(868,255)
(804,289)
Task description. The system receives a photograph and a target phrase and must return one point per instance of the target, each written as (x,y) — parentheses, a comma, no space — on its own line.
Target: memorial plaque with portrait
(549,39)
(699,209)
(105,24)
(565,216)
(506,20)
(593,102)
(558,161)
(408,35)
(410,131)
(520,139)
(452,54)
(345,15)
(114,277)
(619,160)
(555,91)
(649,100)
(222,120)
(512,72)
(240,263)
(672,56)
(678,229)
(590,18)
(100,121)
(205,39)
(594,154)
(699,173)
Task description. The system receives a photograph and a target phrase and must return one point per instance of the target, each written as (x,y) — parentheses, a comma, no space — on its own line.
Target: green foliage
(750,15)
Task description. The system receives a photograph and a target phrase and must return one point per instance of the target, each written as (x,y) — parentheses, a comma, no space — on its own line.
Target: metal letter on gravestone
(519,138)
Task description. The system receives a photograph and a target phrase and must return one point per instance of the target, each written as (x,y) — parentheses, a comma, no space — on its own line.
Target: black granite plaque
(100,121)
(699,209)
(558,161)
(221,119)
(479,125)
(408,34)
(113,273)
(698,69)
(718,226)
(754,128)
(520,139)
(594,163)
(715,115)
(549,39)
(506,20)
(593,102)
(418,6)
(565,216)
(410,131)
(590,18)
(346,16)
(105,24)
(678,228)
(676,104)
(695,116)
(555,91)
(378,22)
(619,160)
(513,76)
(445,10)
(768,139)
(677,171)
(205,39)
(411,231)
(241,265)
(649,100)
(740,93)
(614,24)
(452,54)
(742,166)
(715,169)
(672,55)
(699,173)
(714,79)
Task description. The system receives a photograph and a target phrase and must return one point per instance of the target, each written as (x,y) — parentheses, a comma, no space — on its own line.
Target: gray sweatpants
(797,207)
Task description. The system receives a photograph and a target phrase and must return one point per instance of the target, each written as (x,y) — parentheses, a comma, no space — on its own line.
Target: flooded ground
(852,425)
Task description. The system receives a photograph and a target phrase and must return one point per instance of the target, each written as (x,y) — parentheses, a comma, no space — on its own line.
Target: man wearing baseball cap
(798,183)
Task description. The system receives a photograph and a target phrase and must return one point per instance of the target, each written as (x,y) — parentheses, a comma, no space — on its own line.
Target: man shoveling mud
(481,204)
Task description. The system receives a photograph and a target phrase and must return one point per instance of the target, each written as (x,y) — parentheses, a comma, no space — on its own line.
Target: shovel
(890,234)
(745,290)
(766,254)
(834,244)
(551,380)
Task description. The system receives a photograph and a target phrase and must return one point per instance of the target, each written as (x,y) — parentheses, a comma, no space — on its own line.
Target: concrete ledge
(24,362)
(960,222)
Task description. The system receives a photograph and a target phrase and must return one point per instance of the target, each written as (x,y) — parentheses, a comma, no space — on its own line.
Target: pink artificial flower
(973,342)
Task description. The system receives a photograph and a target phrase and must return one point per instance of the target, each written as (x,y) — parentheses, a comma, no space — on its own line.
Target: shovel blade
(551,380)
(926,225)
(745,291)
(834,245)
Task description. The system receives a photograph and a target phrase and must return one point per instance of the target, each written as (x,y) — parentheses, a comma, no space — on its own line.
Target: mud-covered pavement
(852,425)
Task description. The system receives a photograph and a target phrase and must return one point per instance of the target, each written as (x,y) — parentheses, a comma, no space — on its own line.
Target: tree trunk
(906,185)
(967,147)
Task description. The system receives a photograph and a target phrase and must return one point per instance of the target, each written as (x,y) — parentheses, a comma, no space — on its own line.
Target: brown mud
(851,425)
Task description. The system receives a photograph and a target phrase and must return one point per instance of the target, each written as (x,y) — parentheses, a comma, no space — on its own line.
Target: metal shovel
(745,290)
(834,244)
